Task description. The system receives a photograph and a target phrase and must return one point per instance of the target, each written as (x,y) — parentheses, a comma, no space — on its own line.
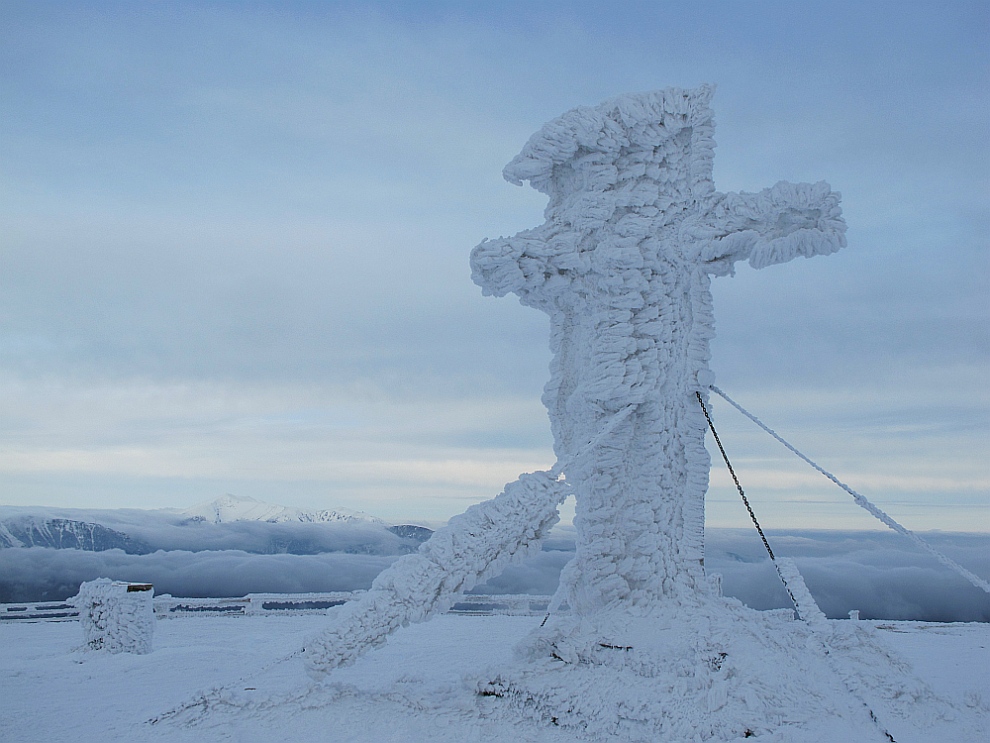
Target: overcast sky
(234,245)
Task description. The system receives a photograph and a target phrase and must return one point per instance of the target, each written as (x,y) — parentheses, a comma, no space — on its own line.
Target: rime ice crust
(634,230)
(114,619)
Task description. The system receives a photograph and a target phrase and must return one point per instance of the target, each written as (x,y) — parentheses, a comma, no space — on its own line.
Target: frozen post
(116,617)
(634,232)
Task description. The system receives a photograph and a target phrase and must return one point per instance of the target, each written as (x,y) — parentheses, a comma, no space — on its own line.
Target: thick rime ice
(634,230)
(114,618)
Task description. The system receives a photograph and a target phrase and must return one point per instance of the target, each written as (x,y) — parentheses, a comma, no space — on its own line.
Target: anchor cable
(745,501)
(735,479)
(862,501)
(824,644)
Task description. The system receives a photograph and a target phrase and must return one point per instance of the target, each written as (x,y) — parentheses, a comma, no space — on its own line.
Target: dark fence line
(167,606)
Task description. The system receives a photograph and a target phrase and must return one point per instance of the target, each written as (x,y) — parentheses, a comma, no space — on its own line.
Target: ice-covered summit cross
(634,230)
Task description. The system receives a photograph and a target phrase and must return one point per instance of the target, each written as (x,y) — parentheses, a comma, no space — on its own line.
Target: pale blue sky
(234,246)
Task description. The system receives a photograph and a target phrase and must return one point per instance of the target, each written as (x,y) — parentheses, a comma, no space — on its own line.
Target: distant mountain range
(227,523)
(65,534)
(229,508)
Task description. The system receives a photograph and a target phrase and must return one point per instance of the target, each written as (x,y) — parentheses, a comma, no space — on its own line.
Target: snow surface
(221,679)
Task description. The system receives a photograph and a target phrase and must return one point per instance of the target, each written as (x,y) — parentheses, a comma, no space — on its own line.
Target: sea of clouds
(881,574)
(43,574)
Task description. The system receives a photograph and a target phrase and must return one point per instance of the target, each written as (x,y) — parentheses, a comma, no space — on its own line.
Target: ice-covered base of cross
(720,673)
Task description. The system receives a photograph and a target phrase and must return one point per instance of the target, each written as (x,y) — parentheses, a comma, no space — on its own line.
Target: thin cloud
(245,243)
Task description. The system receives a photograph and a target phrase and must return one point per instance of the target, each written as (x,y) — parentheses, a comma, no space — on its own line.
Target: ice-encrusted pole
(634,231)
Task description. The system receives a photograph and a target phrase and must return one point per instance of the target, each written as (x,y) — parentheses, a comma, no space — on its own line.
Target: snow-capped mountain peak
(229,508)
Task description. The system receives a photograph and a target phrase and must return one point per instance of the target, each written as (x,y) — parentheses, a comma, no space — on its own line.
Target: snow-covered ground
(240,679)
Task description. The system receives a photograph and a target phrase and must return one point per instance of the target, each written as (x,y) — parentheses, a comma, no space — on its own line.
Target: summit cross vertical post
(634,232)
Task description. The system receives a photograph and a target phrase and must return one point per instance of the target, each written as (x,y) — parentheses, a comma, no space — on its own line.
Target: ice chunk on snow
(115,616)
(804,602)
